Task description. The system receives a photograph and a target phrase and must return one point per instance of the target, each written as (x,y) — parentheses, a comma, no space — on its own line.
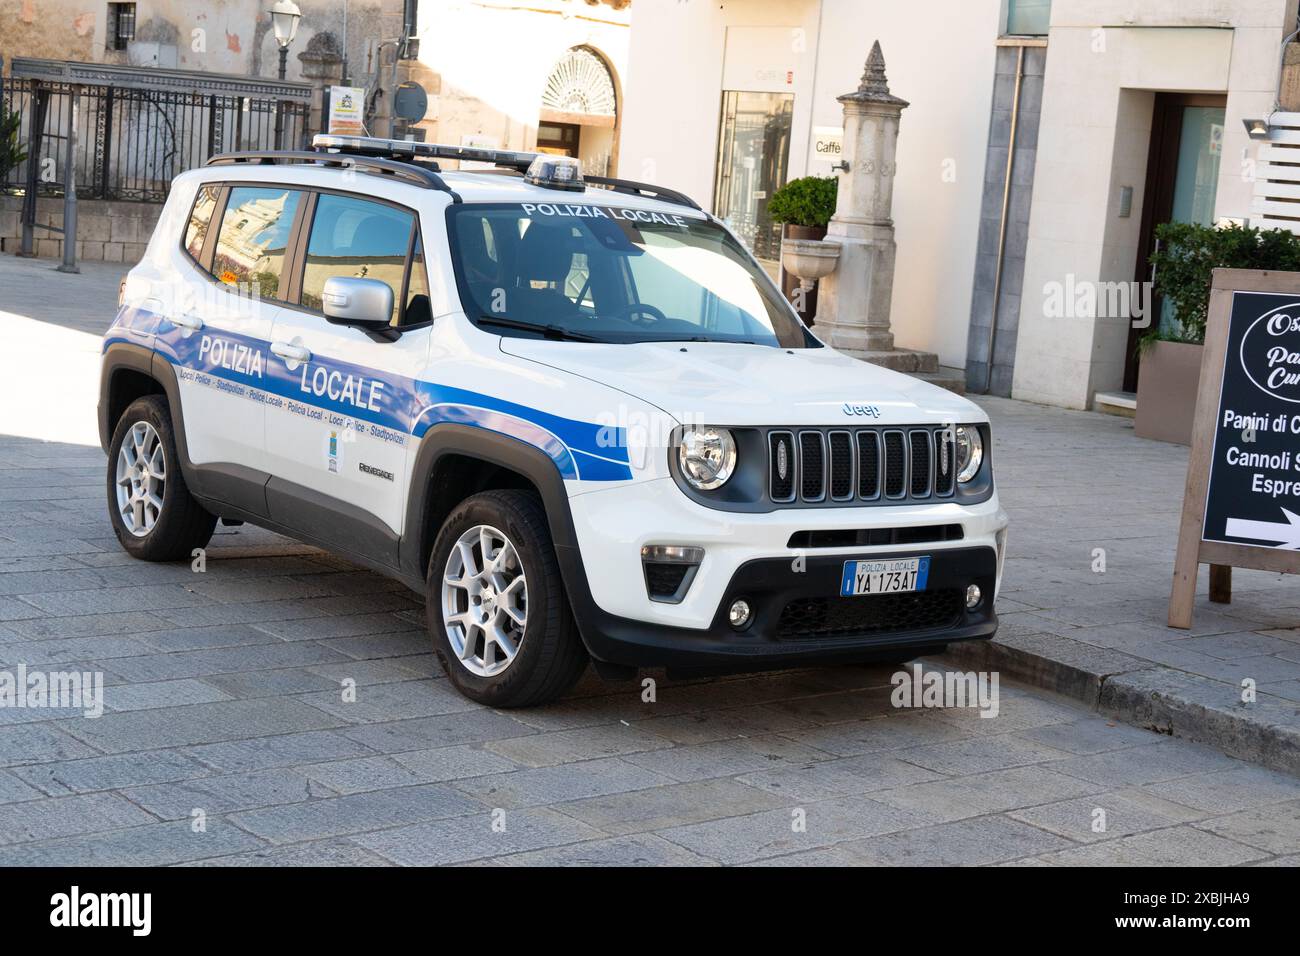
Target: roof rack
(642,189)
(423,175)
(406,150)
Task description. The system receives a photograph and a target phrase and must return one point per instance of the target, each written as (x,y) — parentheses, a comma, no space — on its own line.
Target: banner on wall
(347,110)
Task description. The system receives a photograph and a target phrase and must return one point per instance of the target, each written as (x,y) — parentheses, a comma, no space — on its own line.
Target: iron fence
(130,142)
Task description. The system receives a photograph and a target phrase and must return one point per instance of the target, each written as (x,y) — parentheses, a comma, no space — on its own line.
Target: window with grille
(121,25)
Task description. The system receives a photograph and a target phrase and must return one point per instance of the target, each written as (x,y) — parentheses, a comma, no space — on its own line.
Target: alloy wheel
(484,601)
(141,479)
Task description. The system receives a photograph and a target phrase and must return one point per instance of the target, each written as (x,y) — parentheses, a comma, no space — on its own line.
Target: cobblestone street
(225,698)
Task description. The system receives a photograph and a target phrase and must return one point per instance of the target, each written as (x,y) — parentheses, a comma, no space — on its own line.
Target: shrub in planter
(1169,376)
(1185,264)
(807,201)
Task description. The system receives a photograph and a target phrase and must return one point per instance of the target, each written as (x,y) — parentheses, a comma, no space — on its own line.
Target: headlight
(970,452)
(707,457)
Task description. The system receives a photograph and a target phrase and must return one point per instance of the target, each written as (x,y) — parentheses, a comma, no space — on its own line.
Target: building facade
(173,83)
(1045,141)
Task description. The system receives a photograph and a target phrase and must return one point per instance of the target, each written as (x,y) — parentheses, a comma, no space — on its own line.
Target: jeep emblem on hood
(869,411)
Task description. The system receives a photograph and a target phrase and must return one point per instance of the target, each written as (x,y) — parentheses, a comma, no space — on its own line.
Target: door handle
(295,353)
(187,321)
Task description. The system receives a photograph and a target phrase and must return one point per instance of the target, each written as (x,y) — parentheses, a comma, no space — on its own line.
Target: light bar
(376,146)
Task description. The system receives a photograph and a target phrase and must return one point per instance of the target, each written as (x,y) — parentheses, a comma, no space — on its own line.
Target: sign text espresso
(1254,481)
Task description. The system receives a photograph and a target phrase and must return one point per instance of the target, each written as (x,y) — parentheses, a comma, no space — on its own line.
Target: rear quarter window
(196,232)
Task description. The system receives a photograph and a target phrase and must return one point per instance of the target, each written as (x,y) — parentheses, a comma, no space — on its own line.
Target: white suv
(575,414)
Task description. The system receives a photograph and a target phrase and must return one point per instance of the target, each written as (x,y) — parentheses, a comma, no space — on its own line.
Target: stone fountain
(855,262)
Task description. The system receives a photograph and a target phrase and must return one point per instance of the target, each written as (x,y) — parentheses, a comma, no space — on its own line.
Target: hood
(734,384)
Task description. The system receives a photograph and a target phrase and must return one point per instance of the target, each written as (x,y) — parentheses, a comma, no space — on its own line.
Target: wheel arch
(455,461)
(126,375)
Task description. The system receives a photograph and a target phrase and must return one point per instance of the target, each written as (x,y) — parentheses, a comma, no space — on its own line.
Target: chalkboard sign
(1241,507)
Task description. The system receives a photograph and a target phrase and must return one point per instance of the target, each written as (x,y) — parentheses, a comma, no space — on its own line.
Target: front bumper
(610,527)
(821,628)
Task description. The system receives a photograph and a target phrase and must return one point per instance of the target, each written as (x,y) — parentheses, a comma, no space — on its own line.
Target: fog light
(973,597)
(669,570)
(739,613)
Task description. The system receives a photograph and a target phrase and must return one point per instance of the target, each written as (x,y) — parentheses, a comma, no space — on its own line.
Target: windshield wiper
(551,331)
(702,338)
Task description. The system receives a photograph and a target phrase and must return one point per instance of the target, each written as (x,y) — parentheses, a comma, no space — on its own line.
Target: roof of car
(400,162)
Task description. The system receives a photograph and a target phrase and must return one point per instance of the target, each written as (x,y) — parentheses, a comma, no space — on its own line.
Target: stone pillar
(322,66)
(853,301)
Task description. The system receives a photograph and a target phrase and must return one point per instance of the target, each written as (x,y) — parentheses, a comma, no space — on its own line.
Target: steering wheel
(649,313)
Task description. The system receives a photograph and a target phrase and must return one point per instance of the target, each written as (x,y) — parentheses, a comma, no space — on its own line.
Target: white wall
(493,58)
(940,57)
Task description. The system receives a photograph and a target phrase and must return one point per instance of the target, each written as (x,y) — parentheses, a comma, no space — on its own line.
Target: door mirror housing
(365,303)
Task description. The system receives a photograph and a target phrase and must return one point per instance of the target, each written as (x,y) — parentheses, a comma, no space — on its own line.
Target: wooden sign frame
(1192,550)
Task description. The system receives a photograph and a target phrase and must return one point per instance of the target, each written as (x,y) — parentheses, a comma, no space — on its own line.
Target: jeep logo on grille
(782,460)
(867,411)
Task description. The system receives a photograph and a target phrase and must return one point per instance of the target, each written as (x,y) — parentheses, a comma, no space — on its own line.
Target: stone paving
(229,738)
(1083,490)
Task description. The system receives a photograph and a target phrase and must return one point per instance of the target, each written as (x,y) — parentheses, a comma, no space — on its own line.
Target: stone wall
(106,231)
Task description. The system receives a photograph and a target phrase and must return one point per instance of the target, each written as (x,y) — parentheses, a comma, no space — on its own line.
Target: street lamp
(284,20)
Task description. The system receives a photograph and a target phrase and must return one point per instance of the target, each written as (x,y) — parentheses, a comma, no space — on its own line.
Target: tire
(169,533)
(511,530)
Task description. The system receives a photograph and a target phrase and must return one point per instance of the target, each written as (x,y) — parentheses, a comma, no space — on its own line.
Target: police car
(573,412)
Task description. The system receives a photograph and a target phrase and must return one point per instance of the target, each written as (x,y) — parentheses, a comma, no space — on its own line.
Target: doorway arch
(579,113)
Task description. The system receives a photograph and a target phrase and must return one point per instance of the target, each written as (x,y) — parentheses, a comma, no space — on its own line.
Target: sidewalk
(46,317)
(1094,523)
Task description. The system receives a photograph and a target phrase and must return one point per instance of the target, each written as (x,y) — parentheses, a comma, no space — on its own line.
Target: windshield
(611,274)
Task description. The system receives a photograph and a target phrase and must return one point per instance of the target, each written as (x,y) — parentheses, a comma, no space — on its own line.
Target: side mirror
(366,303)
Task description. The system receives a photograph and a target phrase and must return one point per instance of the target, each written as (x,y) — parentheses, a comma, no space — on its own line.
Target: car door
(217,333)
(339,445)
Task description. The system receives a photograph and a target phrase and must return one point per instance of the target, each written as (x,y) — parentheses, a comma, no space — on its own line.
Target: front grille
(863,537)
(851,616)
(945,465)
(781,457)
(841,465)
(895,465)
(868,465)
(812,466)
(920,446)
(815,465)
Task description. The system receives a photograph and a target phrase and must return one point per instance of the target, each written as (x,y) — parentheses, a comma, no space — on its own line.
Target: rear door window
(253,239)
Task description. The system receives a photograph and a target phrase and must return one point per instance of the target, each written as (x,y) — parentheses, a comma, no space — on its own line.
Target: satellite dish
(410,102)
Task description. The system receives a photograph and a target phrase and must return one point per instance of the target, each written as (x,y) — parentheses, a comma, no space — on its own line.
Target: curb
(1146,695)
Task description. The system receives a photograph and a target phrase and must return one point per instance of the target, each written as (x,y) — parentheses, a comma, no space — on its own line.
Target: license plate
(892,576)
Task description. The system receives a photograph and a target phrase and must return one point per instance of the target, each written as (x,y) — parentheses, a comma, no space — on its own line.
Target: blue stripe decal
(580,450)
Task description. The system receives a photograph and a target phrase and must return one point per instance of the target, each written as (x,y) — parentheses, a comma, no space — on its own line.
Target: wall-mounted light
(1256,128)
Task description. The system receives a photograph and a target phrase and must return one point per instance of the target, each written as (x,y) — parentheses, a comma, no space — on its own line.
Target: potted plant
(803,207)
(1185,259)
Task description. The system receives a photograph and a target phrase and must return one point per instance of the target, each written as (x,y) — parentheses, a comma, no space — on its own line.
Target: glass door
(753,150)
(1182,181)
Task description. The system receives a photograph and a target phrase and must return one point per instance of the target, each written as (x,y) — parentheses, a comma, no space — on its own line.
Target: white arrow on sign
(1286,533)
